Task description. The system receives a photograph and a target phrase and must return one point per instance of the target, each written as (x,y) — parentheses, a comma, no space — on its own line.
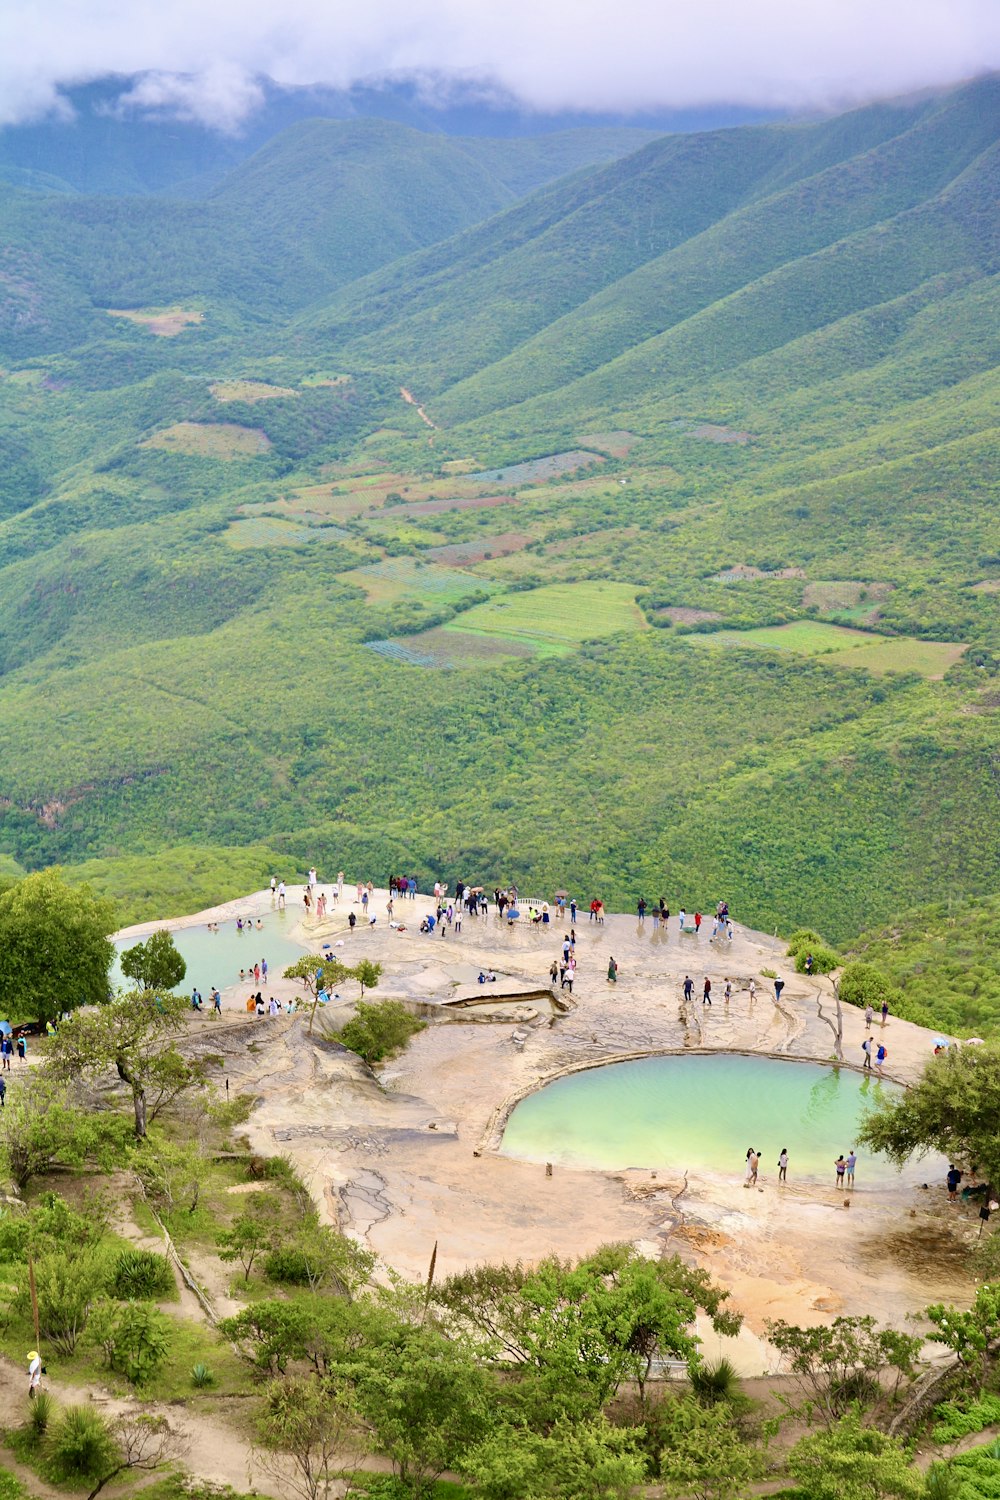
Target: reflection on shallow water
(216,958)
(700,1112)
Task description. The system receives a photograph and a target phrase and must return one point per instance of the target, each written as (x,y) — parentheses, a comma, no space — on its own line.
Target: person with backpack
(866,1047)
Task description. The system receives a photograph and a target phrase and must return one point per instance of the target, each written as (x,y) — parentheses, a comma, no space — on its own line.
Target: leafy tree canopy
(54,938)
(154,964)
(953,1109)
(134,1035)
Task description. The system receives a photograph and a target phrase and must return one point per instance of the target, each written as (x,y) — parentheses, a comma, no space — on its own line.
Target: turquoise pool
(216,958)
(700,1112)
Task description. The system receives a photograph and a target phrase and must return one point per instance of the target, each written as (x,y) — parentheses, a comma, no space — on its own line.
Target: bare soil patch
(165,322)
(746,573)
(680,614)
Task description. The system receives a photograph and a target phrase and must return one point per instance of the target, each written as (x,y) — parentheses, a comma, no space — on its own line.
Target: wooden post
(34,1296)
(430,1278)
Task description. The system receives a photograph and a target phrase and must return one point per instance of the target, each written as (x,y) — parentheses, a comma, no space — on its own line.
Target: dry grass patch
(680,614)
(854,598)
(249,391)
(225,440)
(165,322)
(931,659)
(614,444)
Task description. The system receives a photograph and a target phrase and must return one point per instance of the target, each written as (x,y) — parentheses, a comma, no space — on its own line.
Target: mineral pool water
(217,957)
(701,1112)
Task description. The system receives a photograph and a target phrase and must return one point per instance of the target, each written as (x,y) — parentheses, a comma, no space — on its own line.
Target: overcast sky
(201,58)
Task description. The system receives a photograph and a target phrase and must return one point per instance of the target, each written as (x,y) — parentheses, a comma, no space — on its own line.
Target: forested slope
(640,536)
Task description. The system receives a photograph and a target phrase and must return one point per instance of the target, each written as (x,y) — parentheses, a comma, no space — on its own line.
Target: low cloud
(202,59)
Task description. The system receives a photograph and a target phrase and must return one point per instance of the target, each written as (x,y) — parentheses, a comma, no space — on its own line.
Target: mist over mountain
(100,147)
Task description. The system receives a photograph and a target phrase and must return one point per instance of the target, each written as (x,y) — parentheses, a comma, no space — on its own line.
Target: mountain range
(603,508)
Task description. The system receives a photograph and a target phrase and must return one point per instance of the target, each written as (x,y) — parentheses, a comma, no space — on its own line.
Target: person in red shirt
(697,921)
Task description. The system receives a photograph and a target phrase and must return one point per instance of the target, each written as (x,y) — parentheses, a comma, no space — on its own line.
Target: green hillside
(324,202)
(641,535)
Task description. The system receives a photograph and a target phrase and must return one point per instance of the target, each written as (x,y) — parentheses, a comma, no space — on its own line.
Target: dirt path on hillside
(212,1450)
(411,400)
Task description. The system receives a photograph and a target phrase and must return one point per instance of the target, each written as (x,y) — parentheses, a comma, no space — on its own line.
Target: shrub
(141,1276)
(201,1376)
(802,940)
(288,1266)
(66,1286)
(40,1413)
(824,959)
(81,1444)
(379,1030)
(956,1420)
(713,1382)
(134,1336)
(863,984)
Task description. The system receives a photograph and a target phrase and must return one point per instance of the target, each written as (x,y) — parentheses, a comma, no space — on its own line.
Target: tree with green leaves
(306,1435)
(704,1453)
(134,1035)
(251,1234)
(849,1461)
(953,1109)
(368,974)
(42,1126)
(571,1461)
(55,945)
(425,1399)
(581,1330)
(321,1258)
(841,1367)
(154,964)
(316,974)
(972,1334)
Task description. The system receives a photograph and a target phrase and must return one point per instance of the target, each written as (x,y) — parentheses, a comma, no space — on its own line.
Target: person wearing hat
(34,1372)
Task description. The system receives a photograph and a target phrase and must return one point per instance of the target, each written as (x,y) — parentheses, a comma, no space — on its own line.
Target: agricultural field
(849,599)
(803,637)
(930,659)
(484,549)
(554,619)
(535,470)
(266,531)
(841,646)
(398,578)
(225,440)
(613,444)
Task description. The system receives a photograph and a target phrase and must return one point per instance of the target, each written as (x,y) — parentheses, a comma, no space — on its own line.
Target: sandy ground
(410,1159)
